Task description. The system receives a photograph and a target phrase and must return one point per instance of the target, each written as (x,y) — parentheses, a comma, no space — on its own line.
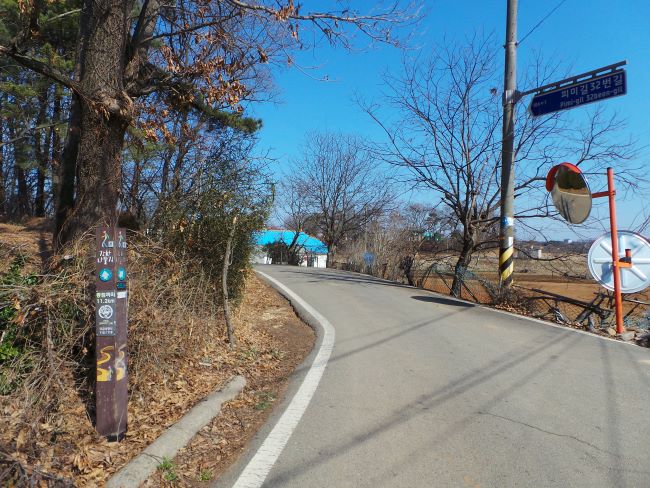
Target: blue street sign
(121,274)
(105,274)
(611,85)
(369,258)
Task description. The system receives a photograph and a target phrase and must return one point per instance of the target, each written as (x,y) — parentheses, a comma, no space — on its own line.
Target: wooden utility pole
(506,230)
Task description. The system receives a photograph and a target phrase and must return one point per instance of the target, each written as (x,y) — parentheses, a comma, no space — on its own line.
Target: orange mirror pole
(618,299)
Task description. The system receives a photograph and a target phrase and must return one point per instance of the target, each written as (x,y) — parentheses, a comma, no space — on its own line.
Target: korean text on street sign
(611,85)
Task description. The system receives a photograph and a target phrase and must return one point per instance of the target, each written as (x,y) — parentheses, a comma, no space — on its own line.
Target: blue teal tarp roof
(306,241)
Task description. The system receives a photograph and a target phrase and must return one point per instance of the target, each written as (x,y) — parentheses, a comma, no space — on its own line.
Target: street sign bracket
(573,79)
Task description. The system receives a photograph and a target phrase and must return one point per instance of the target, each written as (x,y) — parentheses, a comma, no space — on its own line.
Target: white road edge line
(257,469)
(551,324)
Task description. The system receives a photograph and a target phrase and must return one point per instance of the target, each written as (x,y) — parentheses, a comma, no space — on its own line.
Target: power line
(542,21)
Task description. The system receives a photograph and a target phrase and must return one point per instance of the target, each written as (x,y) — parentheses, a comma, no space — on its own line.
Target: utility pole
(506,230)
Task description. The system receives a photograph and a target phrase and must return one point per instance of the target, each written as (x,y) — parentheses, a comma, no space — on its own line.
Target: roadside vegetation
(178,353)
(133,113)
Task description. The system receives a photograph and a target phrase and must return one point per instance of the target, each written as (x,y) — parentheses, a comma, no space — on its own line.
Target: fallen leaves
(64,443)
(217,445)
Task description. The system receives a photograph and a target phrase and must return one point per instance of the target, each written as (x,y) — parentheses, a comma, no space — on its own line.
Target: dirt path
(34,240)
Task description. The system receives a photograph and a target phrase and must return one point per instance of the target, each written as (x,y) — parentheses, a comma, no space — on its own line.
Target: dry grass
(32,239)
(273,341)
(176,328)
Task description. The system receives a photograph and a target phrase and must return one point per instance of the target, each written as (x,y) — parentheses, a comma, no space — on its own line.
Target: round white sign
(633,279)
(106,311)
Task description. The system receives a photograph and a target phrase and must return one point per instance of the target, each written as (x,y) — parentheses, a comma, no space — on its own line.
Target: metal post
(506,231)
(618,299)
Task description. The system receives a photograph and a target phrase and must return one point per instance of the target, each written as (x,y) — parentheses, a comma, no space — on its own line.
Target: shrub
(196,222)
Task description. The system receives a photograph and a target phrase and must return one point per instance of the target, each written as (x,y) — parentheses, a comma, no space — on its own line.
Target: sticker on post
(105,274)
(104,367)
(508,221)
(105,311)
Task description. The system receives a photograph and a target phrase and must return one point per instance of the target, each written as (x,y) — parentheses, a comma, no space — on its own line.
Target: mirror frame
(551,182)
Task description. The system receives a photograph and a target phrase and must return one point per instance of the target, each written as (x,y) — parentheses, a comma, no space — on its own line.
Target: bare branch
(41,68)
(26,132)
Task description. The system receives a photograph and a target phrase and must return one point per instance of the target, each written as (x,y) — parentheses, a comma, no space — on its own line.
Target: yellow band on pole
(506,266)
(506,274)
(505,255)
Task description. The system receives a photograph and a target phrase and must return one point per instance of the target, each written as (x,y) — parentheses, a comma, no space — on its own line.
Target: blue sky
(582,35)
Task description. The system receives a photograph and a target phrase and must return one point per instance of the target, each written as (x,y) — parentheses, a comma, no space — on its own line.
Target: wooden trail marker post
(111,302)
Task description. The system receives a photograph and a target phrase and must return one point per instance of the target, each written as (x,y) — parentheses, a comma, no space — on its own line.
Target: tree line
(441,117)
(133,111)
(113,107)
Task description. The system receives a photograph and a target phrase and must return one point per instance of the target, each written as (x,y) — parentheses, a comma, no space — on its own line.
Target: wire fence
(595,314)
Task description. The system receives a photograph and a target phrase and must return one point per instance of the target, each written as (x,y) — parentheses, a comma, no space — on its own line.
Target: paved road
(424,391)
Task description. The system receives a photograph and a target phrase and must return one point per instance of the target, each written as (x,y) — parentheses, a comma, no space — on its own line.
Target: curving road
(425,391)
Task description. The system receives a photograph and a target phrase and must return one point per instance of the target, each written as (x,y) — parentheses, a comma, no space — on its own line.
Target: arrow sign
(611,85)
(121,274)
(105,274)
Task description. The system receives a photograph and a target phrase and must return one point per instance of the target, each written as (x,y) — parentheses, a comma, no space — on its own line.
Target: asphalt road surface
(425,391)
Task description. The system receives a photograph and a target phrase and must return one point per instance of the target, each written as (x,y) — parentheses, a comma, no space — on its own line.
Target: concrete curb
(175,437)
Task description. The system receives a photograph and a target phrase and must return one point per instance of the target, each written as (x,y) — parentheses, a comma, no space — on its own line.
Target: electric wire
(541,21)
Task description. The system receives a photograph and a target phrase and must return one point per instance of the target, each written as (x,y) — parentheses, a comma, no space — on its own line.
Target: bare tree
(395,240)
(416,225)
(447,136)
(297,217)
(295,208)
(339,185)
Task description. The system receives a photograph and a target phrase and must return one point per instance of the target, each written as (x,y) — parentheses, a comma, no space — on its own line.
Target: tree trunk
(134,206)
(164,179)
(100,171)
(293,254)
(104,116)
(461,268)
(21,198)
(67,173)
(55,147)
(407,267)
(41,152)
(39,204)
(3,197)
(183,149)
(224,284)
(329,262)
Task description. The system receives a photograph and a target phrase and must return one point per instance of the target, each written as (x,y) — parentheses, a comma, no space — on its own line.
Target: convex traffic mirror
(570,192)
